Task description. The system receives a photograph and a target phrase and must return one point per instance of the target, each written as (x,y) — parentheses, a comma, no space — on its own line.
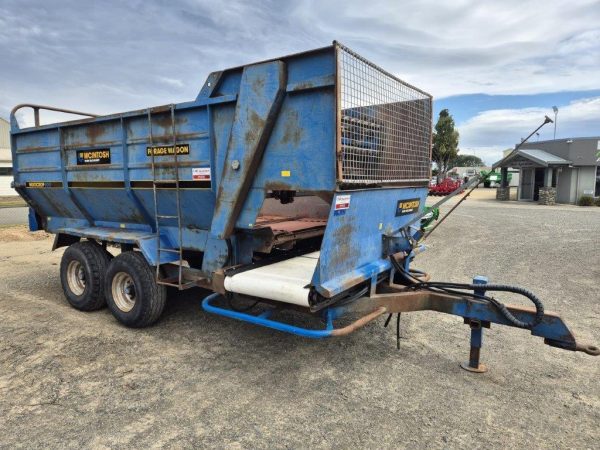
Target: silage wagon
(293,183)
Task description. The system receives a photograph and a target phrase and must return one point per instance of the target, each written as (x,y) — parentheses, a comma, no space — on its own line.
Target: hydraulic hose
(457,288)
(539,307)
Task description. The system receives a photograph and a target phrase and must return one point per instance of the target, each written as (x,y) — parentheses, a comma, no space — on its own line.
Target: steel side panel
(261,91)
(54,202)
(300,154)
(352,248)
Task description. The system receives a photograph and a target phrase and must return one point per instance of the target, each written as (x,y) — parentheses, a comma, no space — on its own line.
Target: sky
(499,67)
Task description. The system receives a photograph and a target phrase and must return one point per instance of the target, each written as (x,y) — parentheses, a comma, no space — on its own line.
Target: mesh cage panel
(385,125)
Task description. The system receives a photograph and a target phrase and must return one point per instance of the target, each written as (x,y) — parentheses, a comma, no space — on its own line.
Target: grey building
(5,159)
(560,170)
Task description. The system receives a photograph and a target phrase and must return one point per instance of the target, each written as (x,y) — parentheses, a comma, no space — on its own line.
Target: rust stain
(258,86)
(293,133)
(164,121)
(157,109)
(304,85)
(345,252)
(90,175)
(93,131)
(256,125)
(279,186)
(36,149)
(164,172)
(168,137)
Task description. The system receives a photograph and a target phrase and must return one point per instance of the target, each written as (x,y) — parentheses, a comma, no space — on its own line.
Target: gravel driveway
(72,379)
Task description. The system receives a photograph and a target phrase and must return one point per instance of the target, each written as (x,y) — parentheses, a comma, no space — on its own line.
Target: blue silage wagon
(297,182)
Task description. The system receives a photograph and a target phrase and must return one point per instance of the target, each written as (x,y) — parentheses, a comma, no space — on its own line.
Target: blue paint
(83,199)
(33,225)
(263,320)
(477,332)
(351,251)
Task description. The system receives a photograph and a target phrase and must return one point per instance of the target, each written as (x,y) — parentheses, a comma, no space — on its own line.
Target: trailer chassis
(390,298)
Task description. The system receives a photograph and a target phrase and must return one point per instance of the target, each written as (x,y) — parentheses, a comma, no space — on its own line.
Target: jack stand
(473,364)
(398,331)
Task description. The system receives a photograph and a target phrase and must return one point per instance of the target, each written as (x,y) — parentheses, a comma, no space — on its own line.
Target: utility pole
(555,109)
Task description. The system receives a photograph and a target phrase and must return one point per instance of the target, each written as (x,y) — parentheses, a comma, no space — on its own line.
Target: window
(597,181)
(6,171)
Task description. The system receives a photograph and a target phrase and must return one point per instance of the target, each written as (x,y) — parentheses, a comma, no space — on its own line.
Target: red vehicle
(445,187)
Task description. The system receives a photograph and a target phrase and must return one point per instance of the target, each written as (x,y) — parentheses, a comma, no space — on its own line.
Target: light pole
(555,109)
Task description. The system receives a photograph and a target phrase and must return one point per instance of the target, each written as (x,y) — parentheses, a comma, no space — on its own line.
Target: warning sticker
(201,173)
(342,203)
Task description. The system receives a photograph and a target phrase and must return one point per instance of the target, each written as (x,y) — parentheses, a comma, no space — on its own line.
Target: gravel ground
(13,216)
(72,379)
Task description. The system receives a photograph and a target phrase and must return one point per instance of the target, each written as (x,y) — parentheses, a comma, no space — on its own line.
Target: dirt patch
(17,233)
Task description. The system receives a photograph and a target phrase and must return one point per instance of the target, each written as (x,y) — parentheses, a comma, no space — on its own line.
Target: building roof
(567,139)
(535,155)
(580,151)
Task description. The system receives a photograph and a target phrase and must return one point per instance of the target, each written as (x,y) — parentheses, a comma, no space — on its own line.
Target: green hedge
(586,200)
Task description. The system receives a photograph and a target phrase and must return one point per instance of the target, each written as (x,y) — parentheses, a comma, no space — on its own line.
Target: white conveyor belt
(284,281)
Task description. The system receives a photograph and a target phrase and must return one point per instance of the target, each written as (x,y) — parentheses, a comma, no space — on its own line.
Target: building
(5,159)
(559,171)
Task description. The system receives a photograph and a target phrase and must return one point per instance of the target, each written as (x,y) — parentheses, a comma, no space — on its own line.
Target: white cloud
(489,155)
(490,132)
(114,56)
(174,82)
(470,46)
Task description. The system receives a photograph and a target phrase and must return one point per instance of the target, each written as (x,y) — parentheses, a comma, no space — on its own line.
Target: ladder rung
(177,282)
(171,250)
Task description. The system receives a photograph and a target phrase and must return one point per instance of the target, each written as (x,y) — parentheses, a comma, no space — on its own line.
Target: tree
(466,161)
(445,142)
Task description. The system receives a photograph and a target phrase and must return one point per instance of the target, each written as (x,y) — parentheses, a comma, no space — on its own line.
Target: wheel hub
(123,291)
(76,277)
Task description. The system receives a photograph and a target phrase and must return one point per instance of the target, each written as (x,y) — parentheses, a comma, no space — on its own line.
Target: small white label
(342,202)
(588,192)
(201,173)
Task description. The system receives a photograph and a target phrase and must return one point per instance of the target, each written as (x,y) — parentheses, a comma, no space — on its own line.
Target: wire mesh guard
(385,125)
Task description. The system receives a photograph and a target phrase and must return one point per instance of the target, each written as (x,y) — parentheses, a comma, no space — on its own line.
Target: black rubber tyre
(132,294)
(82,271)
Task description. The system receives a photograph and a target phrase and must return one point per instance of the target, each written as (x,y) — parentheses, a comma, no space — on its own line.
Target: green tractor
(494,177)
